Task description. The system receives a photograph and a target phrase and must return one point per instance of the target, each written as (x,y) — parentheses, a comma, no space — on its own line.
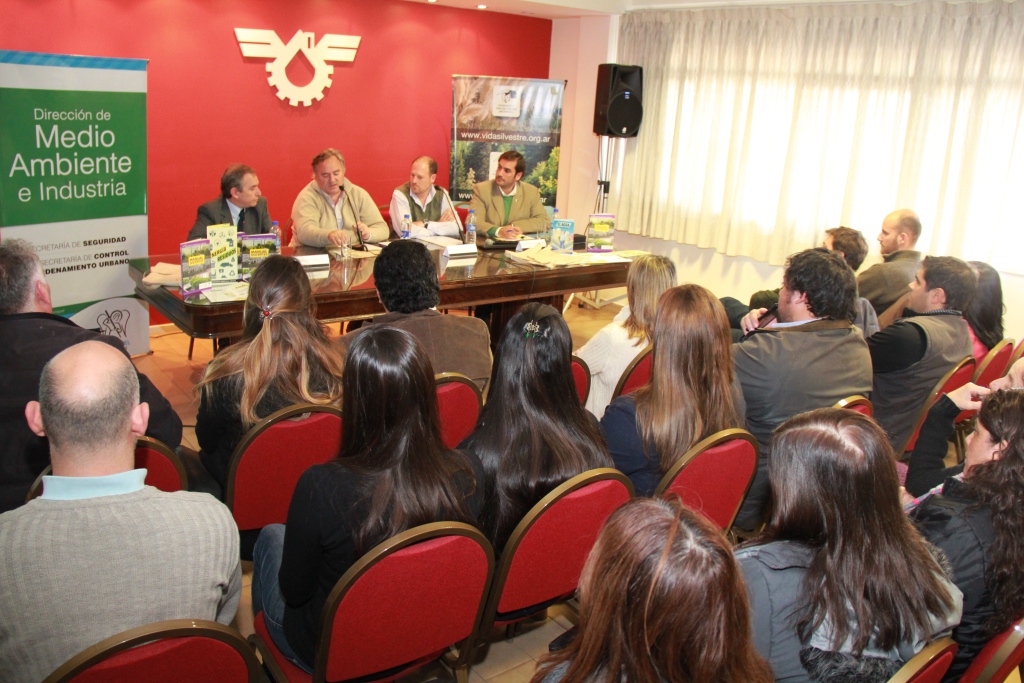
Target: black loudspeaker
(618,106)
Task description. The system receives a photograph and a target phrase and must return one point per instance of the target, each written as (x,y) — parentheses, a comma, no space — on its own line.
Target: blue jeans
(266,591)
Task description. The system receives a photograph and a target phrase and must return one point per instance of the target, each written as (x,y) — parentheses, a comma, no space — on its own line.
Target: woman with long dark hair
(393,473)
(984,315)
(613,348)
(533,433)
(693,391)
(840,582)
(284,357)
(661,599)
(977,519)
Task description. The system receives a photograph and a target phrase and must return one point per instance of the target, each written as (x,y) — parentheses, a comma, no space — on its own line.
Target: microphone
(458,223)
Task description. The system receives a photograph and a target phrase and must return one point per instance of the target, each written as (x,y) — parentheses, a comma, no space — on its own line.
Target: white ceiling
(561,9)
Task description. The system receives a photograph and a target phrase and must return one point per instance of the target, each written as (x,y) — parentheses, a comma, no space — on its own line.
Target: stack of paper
(546,257)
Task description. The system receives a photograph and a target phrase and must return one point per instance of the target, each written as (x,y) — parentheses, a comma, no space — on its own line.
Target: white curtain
(763,127)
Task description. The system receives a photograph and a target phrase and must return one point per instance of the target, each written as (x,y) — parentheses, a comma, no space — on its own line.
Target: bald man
(884,283)
(99,552)
(429,207)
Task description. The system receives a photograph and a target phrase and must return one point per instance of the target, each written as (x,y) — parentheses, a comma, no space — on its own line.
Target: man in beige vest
(910,356)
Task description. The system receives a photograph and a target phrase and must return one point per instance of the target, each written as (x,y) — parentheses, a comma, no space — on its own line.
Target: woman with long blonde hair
(283,357)
(693,391)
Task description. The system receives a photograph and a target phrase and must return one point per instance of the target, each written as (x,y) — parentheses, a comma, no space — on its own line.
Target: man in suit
(505,207)
(240,203)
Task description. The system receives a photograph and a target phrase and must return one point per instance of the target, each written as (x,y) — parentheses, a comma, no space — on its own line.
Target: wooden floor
(504,661)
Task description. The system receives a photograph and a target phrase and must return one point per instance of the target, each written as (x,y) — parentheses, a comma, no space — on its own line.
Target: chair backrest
(929,665)
(959,375)
(385,213)
(714,475)
(858,404)
(1018,352)
(270,458)
(165,470)
(165,652)
(459,402)
(999,657)
(408,599)
(995,363)
(636,374)
(543,558)
(581,375)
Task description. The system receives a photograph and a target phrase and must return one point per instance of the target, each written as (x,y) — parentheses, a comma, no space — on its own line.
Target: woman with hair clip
(661,599)
(393,473)
(533,433)
(984,315)
(977,518)
(613,348)
(283,357)
(693,391)
(842,587)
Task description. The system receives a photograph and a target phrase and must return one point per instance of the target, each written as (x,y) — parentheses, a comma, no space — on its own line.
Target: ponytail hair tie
(265,314)
(532,329)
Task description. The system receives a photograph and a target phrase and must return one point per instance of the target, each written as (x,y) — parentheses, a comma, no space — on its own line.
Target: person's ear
(140,419)
(34,417)
(937,296)
(43,295)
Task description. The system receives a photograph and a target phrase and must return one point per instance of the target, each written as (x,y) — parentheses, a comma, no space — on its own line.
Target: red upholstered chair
(463,211)
(995,364)
(636,374)
(163,468)
(581,375)
(714,475)
(401,606)
(458,402)
(1003,654)
(270,458)
(543,558)
(165,652)
(958,376)
(1018,352)
(858,404)
(385,212)
(929,665)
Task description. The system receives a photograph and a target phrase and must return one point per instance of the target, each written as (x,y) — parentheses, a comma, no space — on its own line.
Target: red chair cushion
(988,652)
(715,481)
(459,408)
(996,367)
(934,670)
(549,559)
(170,661)
(640,376)
(291,672)
(271,466)
(408,608)
(161,472)
(579,376)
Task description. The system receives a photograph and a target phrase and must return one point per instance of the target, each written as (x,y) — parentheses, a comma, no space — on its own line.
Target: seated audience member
(283,357)
(810,357)
(393,473)
(240,204)
(100,552)
(693,391)
(429,207)
(661,599)
(984,315)
(407,284)
(533,434)
(977,519)
(910,356)
(507,207)
(30,335)
(331,210)
(841,586)
(617,344)
(884,283)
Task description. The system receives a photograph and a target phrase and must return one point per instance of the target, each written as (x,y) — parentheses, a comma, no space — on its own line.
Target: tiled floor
(504,661)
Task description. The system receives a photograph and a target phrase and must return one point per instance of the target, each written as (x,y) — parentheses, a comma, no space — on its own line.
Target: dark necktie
(241,216)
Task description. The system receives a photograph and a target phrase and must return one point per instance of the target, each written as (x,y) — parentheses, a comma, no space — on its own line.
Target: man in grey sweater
(99,552)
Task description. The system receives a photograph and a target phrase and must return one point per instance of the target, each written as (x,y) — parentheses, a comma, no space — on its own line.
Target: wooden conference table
(347,291)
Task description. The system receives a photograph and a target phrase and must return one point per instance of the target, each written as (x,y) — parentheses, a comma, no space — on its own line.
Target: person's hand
(749,322)
(339,237)
(447,217)
(363,229)
(905,497)
(509,232)
(1014,379)
(968,397)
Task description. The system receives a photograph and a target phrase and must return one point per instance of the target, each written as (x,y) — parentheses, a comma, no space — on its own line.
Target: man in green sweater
(506,207)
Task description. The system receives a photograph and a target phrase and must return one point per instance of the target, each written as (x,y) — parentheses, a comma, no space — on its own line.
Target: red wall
(209,106)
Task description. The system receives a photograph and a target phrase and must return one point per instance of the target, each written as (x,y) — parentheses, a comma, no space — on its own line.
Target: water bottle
(275,229)
(554,234)
(406,227)
(471,227)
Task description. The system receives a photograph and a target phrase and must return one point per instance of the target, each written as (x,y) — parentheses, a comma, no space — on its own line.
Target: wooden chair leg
(191,343)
